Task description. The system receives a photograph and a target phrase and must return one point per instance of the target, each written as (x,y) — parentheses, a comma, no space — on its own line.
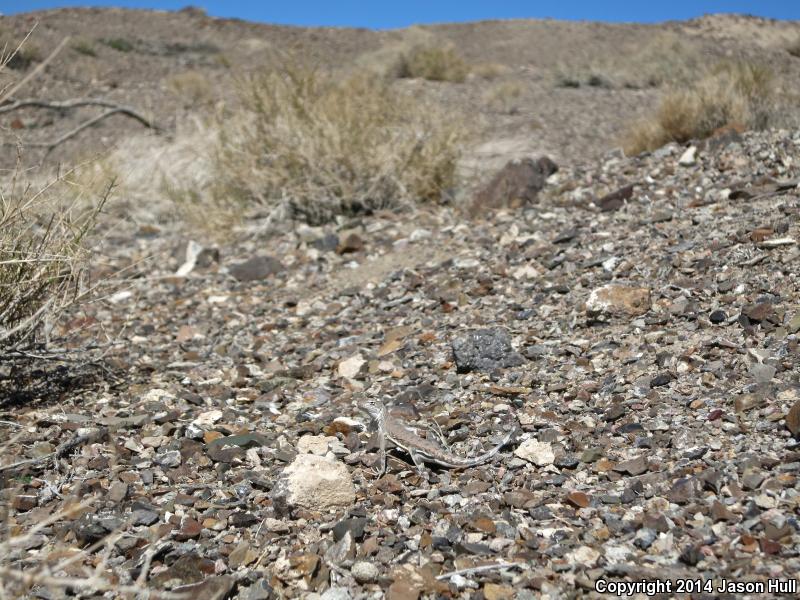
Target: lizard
(420,449)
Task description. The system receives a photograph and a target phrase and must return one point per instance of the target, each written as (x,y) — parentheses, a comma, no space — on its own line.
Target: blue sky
(379,14)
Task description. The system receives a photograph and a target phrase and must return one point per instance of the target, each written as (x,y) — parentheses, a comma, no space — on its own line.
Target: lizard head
(373,408)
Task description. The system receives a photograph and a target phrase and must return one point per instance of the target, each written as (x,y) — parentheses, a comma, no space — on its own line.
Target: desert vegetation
(434,62)
(744,94)
(43,255)
(308,144)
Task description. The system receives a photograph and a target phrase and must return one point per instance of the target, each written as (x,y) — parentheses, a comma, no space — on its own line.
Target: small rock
(618,300)
(578,499)
(352,243)
(496,591)
(256,268)
(315,444)
(364,571)
(718,316)
(189,529)
(313,482)
(762,373)
(517,184)
(635,466)
(539,453)
(793,419)
(485,350)
(24,502)
(351,367)
(117,491)
(615,200)
(688,158)
(336,593)
(354,525)
(169,459)
(242,556)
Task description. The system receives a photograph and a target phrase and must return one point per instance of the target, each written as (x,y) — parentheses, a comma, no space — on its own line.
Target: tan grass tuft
(433,62)
(315,146)
(740,93)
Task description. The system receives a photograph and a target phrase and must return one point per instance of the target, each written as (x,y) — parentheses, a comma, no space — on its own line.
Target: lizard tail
(487,456)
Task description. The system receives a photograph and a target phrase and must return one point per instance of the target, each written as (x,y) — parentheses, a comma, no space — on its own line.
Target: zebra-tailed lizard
(420,449)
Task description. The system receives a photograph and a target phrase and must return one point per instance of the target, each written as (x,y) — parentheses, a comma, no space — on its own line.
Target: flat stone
(539,453)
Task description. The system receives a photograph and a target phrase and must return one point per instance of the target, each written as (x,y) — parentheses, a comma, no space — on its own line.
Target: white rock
(525,272)
(364,571)
(350,367)
(275,525)
(207,418)
(313,482)
(336,593)
(539,453)
(584,556)
(688,158)
(315,444)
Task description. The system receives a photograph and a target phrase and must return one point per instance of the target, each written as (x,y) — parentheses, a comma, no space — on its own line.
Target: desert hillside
(563,256)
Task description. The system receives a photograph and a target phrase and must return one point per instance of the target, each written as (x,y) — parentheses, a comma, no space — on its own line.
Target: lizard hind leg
(419,462)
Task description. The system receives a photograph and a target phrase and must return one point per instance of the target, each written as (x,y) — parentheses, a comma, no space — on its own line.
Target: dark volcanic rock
(515,185)
(485,350)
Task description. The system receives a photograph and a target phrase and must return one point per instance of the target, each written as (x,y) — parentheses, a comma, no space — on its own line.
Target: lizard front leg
(382,450)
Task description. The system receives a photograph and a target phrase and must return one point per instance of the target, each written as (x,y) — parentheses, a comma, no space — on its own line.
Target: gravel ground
(643,339)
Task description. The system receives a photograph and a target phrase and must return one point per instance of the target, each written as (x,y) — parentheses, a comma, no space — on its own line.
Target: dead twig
(91,435)
(79,102)
(86,124)
(39,68)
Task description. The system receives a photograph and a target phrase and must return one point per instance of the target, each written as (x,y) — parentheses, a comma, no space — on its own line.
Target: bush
(435,63)
(740,93)
(119,44)
(84,47)
(42,258)
(42,253)
(317,146)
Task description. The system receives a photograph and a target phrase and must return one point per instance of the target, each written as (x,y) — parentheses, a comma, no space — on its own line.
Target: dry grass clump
(42,252)
(313,146)
(192,86)
(740,93)
(432,62)
(505,96)
(42,257)
(490,70)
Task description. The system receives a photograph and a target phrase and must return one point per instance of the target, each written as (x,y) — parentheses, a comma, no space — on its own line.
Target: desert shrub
(432,62)
(85,47)
(504,96)
(192,86)
(42,251)
(42,256)
(119,44)
(315,146)
(741,93)
(19,58)
(490,70)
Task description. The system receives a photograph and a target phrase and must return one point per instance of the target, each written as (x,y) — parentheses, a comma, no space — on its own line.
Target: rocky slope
(642,315)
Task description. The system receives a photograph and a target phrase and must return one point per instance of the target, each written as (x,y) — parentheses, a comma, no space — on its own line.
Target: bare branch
(39,68)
